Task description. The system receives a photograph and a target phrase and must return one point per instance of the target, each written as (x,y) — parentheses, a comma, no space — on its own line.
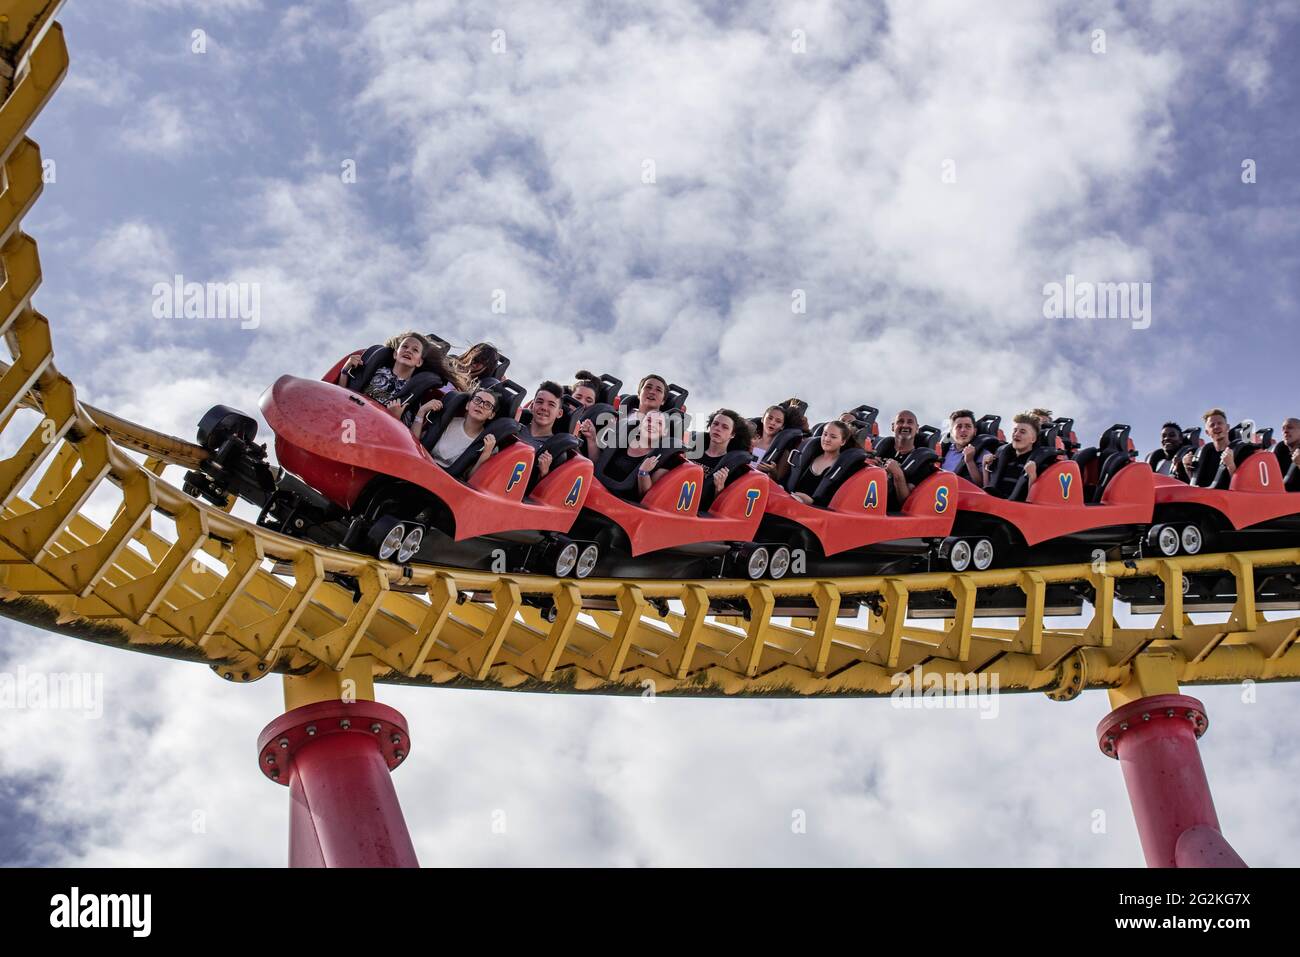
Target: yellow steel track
(260,602)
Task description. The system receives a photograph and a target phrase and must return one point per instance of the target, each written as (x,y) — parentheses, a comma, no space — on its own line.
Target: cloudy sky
(632,187)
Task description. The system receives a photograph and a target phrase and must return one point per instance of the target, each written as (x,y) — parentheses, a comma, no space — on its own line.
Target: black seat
(786,441)
(989,425)
(608,388)
(737,463)
(849,462)
(503,426)
(1064,427)
(981,443)
(1042,456)
(425,379)
(865,422)
(1110,467)
(670,457)
(1094,459)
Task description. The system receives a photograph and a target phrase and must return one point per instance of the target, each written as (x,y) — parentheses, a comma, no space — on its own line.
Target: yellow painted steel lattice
(259,602)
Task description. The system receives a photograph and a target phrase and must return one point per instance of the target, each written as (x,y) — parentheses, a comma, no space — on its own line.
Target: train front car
(353,476)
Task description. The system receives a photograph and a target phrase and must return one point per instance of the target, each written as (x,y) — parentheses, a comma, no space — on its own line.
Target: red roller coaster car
(353,476)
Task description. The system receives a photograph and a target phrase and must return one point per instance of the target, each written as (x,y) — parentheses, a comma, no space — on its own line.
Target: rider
(461,431)
(639,456)
(904,428)
(1201,467)
(835,438)
(1024,436)
(546,408)
(727,432)
(773,422)
(650,395)
(1288,453)
(961,454)
(412,353)
(1171,440)
(477,362)
(585,389)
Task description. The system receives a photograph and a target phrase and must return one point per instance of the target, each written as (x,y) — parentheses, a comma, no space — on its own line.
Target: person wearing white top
(461,431)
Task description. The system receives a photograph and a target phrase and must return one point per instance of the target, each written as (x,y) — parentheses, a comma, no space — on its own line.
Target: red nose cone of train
(338,441)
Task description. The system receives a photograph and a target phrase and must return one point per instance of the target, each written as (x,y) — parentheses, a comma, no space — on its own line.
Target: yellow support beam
(130,584)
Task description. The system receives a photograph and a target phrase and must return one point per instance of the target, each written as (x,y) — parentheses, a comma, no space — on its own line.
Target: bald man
(904,429)
(1288,453)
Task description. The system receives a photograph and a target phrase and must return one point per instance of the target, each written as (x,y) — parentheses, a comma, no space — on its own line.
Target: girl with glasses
(461,431)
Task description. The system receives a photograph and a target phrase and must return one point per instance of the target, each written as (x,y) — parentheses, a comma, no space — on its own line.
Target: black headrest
(1115,461)
(1065,429)
(784,441)
(453,405)
(927,437)
(864,417)
(504,430)
(807,451)
(988,425)
(377,357)
(1114,439)
(920,463)
(849,462)
(608,388)
(512,396)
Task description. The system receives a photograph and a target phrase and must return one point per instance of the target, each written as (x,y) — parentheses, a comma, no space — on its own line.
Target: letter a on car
(571,499)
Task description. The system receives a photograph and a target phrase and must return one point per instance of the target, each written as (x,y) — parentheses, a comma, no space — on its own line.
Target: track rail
(173,576)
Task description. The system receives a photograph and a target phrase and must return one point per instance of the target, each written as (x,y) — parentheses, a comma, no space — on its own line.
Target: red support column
(336,758)
(1154,739)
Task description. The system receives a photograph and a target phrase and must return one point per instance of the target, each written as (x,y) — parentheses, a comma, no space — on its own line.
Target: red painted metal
(857,516)
(311,418)
(1154,739)
(657,521)
(1055,504)
(1256,493)
(336,758)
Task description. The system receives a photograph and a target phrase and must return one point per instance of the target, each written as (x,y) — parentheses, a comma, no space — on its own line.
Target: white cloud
(774,171)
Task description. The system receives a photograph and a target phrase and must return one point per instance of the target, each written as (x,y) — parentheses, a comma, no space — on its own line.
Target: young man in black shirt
(1171,440)
(728,432)
(545,407)
(1024,436)
(1200,467)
